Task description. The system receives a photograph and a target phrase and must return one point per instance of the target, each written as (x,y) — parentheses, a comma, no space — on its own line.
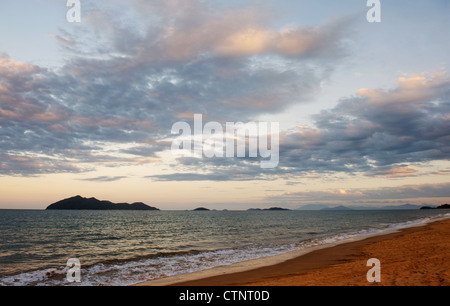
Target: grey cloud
(104,179)
(127,82)
(217,169)
(24,164)
(377,133)
(185,30)
(128,86)
(221,175)
(362,134)
(142,150)
(181,177)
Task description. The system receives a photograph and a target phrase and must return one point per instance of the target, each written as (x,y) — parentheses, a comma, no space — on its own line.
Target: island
(80,203)
(268,209)
(201,209)
(443,206)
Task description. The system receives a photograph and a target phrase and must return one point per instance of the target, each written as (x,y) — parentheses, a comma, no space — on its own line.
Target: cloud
(376,131)
(189,177)
(189,29)
(126,78)
(216,169)
(296,42)
(104,179)
(396,172)
(11,68)
(24,163)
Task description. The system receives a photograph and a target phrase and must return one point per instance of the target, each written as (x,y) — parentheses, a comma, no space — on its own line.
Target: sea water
(128,247)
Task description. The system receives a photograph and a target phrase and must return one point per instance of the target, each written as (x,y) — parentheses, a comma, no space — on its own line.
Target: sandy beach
(417,256)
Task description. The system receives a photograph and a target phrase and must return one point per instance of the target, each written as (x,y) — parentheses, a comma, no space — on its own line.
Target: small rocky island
(201,209)
(268,209)
(80,203)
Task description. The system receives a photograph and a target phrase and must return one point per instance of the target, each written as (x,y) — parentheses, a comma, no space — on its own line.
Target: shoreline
(340,263)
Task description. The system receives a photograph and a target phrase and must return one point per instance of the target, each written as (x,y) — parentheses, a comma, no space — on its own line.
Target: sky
(87,108)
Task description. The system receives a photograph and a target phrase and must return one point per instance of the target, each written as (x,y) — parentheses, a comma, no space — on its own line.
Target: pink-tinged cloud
(189,30)
(411,91)
(377,132)
(396,172)
(9,67)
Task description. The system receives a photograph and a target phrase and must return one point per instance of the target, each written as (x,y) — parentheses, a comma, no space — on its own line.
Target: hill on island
(201,209)
(80,203)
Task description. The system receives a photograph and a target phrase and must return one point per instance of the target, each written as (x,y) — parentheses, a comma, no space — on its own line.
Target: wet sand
(417,256)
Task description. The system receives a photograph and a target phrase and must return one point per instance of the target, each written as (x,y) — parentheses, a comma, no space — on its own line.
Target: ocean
(119,248)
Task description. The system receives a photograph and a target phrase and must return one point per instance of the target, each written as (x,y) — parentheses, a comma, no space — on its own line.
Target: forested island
(80,203)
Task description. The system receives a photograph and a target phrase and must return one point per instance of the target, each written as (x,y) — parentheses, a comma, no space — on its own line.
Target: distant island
(443,206)
(201,209)
(267,209)
(80,203)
